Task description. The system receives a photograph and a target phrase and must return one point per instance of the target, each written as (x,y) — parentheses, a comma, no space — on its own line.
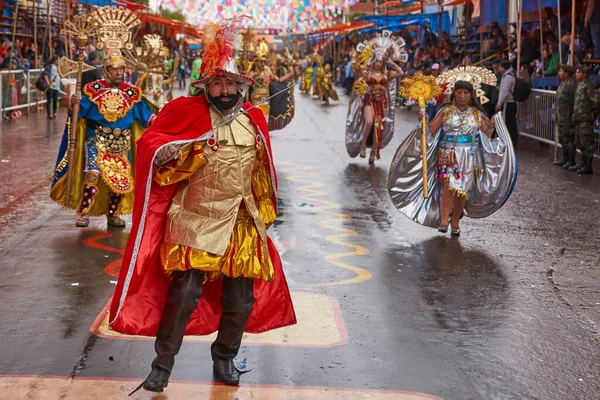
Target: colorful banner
(283,16)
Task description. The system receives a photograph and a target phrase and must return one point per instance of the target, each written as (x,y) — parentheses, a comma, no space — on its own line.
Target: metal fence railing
(18,91)
(536,119)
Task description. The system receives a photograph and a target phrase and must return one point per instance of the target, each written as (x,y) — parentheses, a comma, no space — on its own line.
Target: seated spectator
(552,68)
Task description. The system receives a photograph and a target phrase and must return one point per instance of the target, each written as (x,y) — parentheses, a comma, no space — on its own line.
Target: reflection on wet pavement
(466,289)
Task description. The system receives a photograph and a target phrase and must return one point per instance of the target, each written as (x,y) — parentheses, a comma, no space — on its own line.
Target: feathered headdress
(379,48)
(470,73)
(262,50)
(219,41)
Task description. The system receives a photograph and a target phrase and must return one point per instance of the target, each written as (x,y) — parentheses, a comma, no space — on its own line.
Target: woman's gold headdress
(476,76)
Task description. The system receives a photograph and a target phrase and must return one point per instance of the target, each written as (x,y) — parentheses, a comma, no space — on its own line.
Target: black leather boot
(237,302)
(565,158)
(587,166)
(576,167)
(182,299)
(571,159)
(225,371)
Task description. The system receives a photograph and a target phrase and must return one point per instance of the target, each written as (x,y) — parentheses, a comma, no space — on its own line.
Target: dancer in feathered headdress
(370,120)
(206,196)
(279,111)
(112,116)
(472,171)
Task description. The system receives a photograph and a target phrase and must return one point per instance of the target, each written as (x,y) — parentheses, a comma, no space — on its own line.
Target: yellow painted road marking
(63,388)
(311,192)
(320,324)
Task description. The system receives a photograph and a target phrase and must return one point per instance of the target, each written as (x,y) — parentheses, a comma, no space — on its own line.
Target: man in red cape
(198,258)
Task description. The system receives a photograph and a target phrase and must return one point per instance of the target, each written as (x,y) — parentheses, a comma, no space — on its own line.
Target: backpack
(521,90)
(40,83)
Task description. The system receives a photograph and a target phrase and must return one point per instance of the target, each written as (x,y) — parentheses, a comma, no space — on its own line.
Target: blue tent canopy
(401,21)
(496,10)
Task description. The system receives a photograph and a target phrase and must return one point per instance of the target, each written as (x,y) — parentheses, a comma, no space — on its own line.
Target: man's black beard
(226,102)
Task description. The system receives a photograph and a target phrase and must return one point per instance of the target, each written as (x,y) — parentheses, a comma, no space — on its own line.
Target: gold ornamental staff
(422,89)
(83,29)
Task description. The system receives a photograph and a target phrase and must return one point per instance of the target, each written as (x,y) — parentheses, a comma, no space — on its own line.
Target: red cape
(141,292)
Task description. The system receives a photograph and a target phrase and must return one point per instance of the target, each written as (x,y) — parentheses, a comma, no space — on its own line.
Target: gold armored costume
(234,212)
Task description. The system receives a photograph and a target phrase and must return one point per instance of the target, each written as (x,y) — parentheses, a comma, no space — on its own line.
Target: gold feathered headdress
(476,76)
(380,48)
(262,50)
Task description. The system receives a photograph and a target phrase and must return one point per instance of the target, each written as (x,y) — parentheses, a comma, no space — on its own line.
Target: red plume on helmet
(218,42)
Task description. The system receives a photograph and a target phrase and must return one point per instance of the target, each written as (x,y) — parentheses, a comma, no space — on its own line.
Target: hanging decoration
(272,17)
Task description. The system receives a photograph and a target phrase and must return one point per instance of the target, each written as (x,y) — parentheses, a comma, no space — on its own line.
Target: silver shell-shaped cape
(489,192)
(355,119)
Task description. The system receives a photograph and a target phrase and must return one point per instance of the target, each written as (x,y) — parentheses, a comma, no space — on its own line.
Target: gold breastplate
(204,209)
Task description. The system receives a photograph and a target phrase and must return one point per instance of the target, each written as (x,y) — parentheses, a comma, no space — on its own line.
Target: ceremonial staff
(83,28)
(422,89)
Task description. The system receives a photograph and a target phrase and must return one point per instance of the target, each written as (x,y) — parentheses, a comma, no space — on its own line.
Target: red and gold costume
(375,89)
(379,101)
(199,258)
(163,241)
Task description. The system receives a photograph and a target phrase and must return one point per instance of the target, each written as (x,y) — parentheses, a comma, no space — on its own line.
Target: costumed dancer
(262,76)
(198,257)
(472,171)
(371,111)
(327,90)
(318,72)
(112,116)
(246,60)
(279,111)
(307,75)
(149,62)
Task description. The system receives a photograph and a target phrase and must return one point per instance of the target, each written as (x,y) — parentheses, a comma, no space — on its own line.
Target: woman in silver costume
(376,103)
(461,125)
(371,110)
(471,171)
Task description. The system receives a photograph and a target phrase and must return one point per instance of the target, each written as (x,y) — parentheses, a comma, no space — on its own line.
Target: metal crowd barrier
(18,91)
(536,119)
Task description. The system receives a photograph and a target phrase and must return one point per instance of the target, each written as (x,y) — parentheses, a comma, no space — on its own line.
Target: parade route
(387,309)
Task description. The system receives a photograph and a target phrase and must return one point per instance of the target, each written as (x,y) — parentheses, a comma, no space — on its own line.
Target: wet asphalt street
(387,309)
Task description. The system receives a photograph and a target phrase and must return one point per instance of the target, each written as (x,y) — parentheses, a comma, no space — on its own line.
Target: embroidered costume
(111,118)
(198,257)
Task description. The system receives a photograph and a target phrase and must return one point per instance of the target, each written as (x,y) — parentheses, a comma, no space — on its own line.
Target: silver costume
(482,169)
(355,120)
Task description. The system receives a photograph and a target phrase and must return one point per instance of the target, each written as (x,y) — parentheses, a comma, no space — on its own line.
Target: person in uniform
(585,113)
(563,115)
